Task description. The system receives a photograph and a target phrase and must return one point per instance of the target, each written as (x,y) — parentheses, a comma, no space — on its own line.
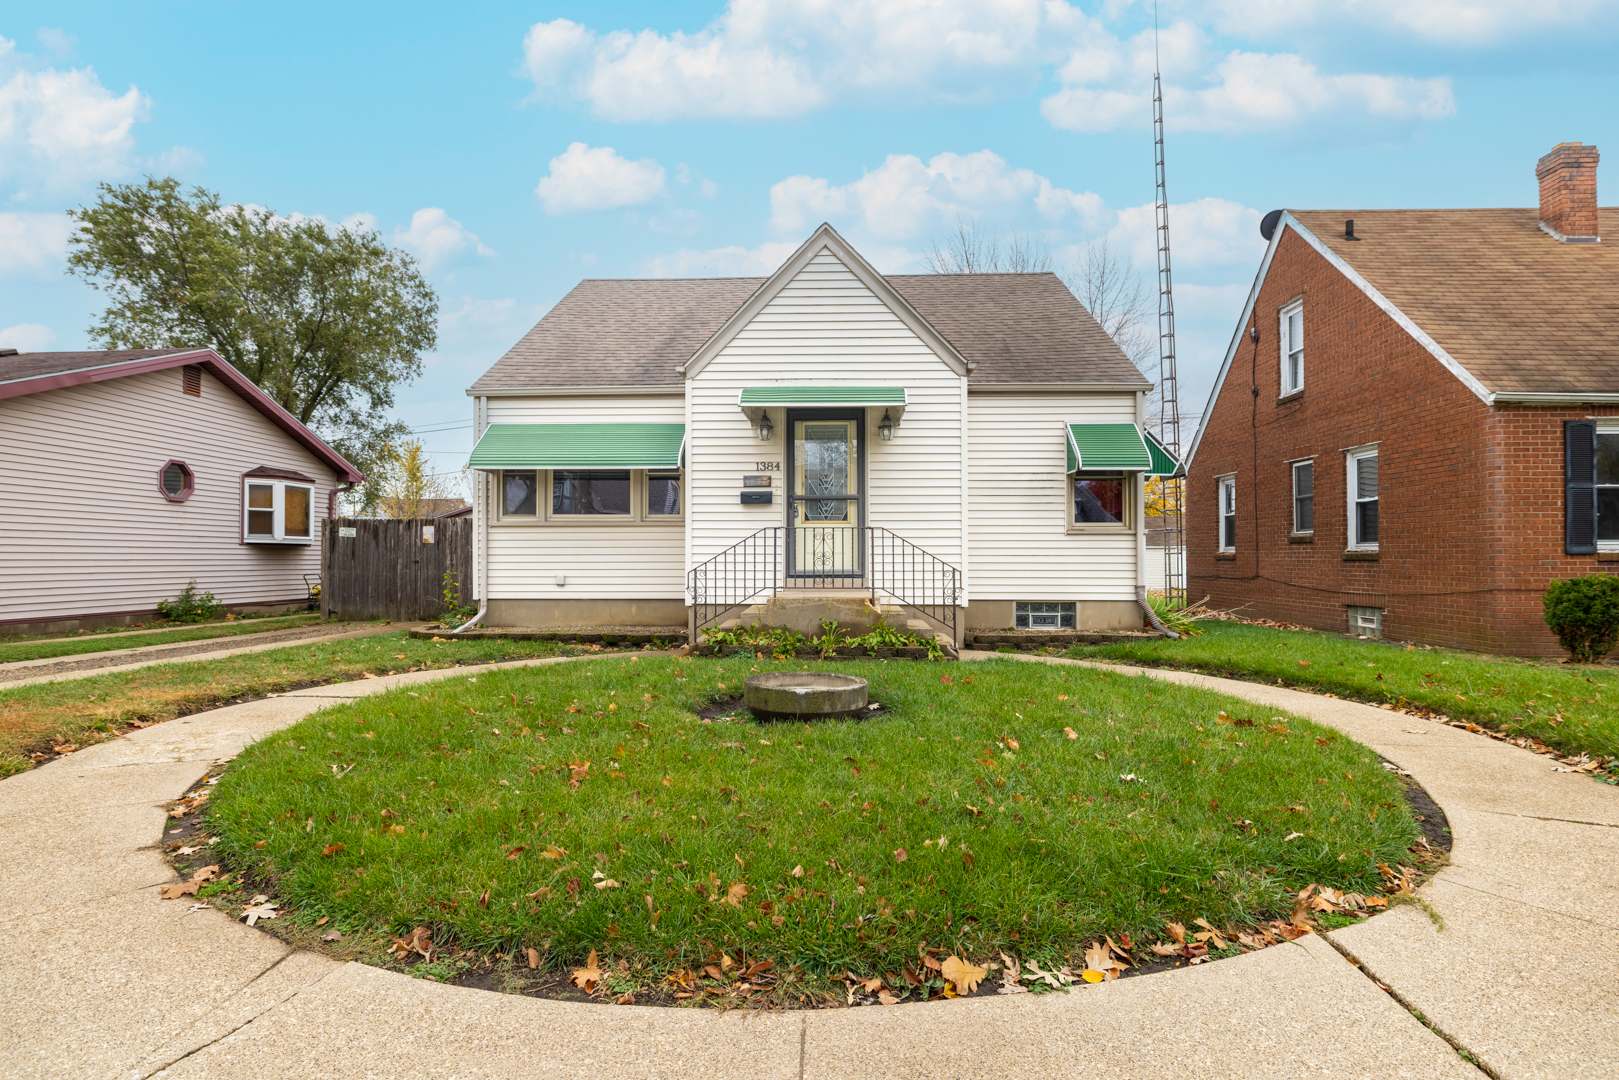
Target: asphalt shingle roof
(31,365)
(1519,310)
(1016,328)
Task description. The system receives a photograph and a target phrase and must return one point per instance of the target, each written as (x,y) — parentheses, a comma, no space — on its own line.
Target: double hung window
(601,495)
(277,512)
(1228,513)
(1292,339)
(1607,487)
(1304,497)
(1363,499)
(1102,498)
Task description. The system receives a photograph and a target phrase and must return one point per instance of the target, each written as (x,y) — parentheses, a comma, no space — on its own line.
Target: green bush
(1584,614)
(191,606)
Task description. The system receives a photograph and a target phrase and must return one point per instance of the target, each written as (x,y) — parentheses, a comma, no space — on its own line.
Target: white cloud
(61,129)
(904,198)
(1447,22)
(435,238)
(587,178)
(33,242)
(27,337)
(1208,232)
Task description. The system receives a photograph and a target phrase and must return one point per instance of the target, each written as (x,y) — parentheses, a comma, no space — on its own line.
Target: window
(277,512)
(175,481)
(1607,485)
(1363,499)
(1044,614)
(1102,498)
(1228,513)
(1304,497)
(590,495)
(1366,621)
(1292,338)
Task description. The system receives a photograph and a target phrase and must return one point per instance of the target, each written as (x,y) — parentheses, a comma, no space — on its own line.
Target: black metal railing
(825,557)
(736,576)
(917,579)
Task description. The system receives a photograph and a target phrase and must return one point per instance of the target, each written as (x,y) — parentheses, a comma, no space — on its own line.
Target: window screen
(593,492)
(1044,614)
(662,494)
(519,494)
(1099,498)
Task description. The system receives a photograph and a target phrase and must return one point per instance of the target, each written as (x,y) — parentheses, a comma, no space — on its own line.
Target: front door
(824,515)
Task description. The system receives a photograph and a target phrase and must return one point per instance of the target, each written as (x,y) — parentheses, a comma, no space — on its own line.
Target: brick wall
(1470,497)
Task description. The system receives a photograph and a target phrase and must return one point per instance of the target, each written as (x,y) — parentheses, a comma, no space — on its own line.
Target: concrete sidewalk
(18,672)
(98,978)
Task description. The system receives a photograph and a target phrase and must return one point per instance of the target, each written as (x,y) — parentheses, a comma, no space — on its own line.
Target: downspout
(480,527)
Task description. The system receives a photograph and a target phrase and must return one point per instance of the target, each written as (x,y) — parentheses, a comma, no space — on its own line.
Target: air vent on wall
(192,380)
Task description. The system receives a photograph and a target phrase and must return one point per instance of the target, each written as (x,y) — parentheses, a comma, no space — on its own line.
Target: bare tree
(966,251)
(1119,301)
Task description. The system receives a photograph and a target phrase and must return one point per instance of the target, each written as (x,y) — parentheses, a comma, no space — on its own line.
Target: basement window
(1366,621)
(1044,614)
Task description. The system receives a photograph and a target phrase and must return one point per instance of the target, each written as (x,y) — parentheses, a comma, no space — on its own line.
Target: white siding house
(950,445)
(128,474)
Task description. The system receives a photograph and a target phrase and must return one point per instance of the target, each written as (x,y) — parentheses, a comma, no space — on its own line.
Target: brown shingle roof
(1017,328)
(31,365)
(1520,311)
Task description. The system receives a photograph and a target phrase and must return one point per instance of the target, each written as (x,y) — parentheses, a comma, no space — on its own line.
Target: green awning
(580,446)
(1107,446)
(1163,462)
(827,396)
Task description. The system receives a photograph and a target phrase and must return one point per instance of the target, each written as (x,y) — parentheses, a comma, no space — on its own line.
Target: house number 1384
(767,466)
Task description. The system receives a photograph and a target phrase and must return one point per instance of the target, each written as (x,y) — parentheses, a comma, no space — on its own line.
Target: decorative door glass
(825,500)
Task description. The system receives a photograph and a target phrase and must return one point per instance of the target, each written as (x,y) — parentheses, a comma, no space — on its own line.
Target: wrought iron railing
(736,576)
(869,559)
(917,579)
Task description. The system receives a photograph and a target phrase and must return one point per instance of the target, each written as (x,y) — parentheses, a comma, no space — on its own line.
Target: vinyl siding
(633,561)
(826,327)
(1018,502)
(86,529)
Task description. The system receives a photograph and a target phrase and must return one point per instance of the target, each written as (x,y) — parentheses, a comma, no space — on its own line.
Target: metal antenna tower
(1169,416)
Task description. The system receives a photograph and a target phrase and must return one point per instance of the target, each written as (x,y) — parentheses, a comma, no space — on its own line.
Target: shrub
(190,605)
(1584,614)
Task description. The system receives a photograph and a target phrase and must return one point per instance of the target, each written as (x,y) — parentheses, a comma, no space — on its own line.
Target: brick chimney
(1568,193)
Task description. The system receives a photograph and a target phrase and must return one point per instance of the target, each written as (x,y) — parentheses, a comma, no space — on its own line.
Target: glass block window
(1045,615)
(1366,621)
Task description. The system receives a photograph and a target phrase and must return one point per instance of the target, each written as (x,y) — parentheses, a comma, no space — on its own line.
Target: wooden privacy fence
(381,568)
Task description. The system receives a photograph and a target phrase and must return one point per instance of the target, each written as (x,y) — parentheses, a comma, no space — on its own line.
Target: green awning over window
(1163,462)
(1107,446)
(580,446)
(846,396)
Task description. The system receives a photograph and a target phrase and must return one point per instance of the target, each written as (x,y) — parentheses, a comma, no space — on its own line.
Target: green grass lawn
(586,806)
(33,719)
(1574,708)
(44,648)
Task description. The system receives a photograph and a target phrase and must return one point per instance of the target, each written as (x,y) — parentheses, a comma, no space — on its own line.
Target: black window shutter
(1580,473)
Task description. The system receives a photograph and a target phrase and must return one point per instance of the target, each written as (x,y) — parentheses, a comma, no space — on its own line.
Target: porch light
(885,427)
(766,428)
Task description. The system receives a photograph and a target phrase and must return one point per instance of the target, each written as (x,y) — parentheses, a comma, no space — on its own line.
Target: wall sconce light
(885,427)
(766,428)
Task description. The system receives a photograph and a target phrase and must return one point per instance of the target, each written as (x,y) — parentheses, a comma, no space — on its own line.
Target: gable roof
(1479,290)
(32,373)
(1521,312)
(1013,329)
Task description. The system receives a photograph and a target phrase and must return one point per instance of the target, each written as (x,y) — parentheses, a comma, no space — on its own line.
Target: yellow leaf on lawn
(736,894)
(588,977)
(1092,976)
(1070,732)
(552,852)
(964,976)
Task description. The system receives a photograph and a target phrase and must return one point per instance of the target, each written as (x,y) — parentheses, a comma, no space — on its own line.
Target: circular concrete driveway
(100,978)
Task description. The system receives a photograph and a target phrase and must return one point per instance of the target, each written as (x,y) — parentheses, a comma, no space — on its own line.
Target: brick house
(1416,426)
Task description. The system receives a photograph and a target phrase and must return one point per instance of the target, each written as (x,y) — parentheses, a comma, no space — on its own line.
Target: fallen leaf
(606,883)
(1070,732)
(588,977)
(967,860)
(516,851)
(331,935)
(1176,931)
(798,871)
(552,852)
(930,963)
(947,680)
(1092,976)
(1292,836)
(181,888)
(624,999)
(900,855)
(1164,948)
(483,901)
(533,958)
(961,974)
(259,911)
(1011,743)
(736,893)
(886,998)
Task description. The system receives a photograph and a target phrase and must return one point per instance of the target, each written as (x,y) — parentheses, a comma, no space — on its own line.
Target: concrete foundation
(1088,614)
(586,612)
(852,612)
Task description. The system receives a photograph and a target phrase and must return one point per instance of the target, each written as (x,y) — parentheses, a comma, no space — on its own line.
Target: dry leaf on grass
(331,935)
(961,974)
(588,977)
(1070,732)
(259,910)
(1176,931)
(736,893)
(189,888)
(418,941)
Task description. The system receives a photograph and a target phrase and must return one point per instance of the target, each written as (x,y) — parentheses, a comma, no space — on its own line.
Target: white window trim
(1607,426)
(1351,456)
(278,512)
(1220,483)
(542,502)
(1293,467)
(1283,342)
(1131,483)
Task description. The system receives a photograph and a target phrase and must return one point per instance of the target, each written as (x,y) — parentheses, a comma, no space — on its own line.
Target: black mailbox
(756,498)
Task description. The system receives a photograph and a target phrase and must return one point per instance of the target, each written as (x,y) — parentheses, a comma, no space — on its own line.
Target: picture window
(582,495)
(1101,498)
(1044,614)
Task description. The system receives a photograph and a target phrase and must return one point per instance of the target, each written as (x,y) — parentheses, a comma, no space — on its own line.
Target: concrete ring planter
(804,695)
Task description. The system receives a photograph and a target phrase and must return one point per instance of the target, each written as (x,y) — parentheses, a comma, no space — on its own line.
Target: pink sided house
(128,474)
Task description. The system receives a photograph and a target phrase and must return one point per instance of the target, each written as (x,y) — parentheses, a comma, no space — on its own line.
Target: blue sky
(518,148)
